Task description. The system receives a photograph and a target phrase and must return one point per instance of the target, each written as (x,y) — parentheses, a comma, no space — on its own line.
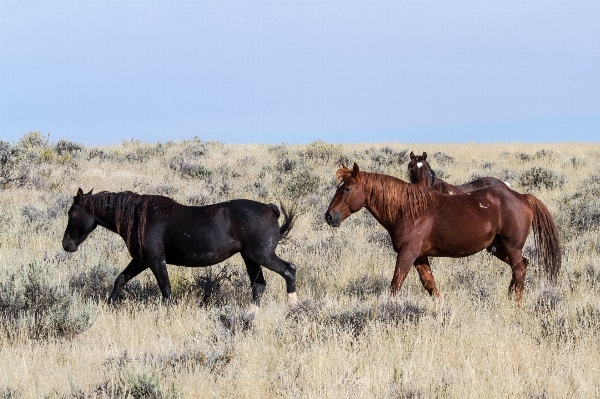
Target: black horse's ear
(355,170)
(412,155)
(90,192)
(424,155)
(79,195)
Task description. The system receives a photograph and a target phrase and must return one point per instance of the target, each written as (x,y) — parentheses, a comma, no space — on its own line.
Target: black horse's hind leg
(257,280)
(285,270)
(134,268)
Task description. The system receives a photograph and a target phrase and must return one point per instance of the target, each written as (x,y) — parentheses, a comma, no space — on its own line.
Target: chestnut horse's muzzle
(333,218)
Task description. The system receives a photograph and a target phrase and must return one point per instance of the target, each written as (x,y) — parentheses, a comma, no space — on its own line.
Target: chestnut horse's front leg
(426,276)
(404,261)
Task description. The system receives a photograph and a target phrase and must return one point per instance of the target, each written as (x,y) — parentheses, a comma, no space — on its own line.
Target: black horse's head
(81,224)
(419,170)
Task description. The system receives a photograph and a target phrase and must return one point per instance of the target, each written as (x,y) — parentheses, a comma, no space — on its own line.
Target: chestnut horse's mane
(127,208)
(392,196)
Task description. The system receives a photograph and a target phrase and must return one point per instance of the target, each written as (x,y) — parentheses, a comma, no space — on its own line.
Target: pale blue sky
(363,71)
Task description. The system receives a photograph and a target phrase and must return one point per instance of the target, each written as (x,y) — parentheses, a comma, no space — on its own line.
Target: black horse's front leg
(159,269)
(134,268)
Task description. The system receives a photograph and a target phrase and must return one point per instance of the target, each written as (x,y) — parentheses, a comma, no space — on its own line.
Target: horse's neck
(378,210)
(104,213)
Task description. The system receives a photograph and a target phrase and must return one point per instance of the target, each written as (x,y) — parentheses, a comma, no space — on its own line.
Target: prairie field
(346,338)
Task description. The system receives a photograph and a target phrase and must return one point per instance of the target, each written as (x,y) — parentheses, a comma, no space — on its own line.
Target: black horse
(157,230)
(422,174)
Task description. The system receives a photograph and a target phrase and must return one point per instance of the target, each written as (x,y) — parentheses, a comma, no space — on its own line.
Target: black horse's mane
(128,208)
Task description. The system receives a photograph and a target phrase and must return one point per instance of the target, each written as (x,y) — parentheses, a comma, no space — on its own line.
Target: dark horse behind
(421,173)
(423,222)
(157,230)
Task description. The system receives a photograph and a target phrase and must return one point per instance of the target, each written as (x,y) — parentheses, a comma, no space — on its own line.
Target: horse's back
(471,221)
(480,183)
(205,235)
(487,203)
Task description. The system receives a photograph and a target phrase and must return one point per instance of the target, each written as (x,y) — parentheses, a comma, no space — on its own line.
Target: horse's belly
(459,245)
(200,252)
(192,258)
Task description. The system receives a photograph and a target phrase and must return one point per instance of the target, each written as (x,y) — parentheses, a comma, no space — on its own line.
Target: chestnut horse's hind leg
(426,276)
(518,265)
(403,263)
(134,268)
(257,280)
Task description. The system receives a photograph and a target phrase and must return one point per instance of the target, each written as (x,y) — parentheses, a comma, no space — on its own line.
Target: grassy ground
(347,338)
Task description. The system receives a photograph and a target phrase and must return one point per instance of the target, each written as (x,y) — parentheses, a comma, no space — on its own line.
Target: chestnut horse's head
(350,196)
(81,224)
(419,170)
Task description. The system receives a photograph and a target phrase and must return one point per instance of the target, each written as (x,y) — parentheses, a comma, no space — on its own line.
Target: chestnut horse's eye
(346,189)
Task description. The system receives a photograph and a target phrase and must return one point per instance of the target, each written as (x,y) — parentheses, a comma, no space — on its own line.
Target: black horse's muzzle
(333,218)
(69,244)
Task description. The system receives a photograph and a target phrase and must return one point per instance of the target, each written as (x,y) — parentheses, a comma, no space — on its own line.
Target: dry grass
(347,338)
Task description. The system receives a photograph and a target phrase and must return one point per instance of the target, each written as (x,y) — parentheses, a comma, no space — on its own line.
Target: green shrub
(66,147)
(321,152)
(96,283)
(443,159)
(189,169)
(367,285)
(31,302)
(538,177)
(13,173)
(388,312)
(9,393)
(217,286)
(301,184)
(580,212)
(33,141)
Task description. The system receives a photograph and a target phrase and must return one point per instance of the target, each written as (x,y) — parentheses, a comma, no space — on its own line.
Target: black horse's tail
(289,218)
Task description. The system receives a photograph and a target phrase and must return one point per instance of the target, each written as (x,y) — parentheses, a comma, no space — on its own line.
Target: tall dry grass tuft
(346,337)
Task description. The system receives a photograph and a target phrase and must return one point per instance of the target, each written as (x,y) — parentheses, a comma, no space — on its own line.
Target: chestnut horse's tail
(546,238)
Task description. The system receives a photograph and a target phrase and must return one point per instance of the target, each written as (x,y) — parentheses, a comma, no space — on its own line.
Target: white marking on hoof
(292,299)
(419,164)
(482,206)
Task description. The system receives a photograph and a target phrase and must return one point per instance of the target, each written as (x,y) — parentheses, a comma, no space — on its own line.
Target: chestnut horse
(421,173)
(157,230)
(423,222)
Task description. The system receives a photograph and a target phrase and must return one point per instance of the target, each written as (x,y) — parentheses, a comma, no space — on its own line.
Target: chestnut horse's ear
(424,155)
(355,170)
(412,155)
